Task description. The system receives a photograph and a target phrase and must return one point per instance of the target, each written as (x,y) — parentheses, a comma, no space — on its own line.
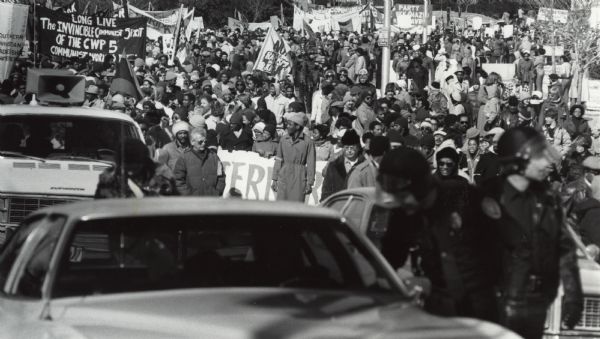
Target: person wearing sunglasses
(447,165)
(449,240)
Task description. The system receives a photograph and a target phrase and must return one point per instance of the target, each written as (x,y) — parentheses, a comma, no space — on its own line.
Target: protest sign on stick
(13,22)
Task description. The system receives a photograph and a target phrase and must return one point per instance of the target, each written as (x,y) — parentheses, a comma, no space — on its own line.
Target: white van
(50,155)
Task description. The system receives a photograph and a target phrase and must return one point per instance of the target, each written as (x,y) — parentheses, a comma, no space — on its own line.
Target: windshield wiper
(20,155)
(81,158)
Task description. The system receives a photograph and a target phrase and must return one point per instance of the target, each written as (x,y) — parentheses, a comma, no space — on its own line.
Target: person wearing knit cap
(238,137)
(144,177)
(421,207)
(365,174)
(338,170)
(447,164)
(169,154)
(295,162)
(264,143)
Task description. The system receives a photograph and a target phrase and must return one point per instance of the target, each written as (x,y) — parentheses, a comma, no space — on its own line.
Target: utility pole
(553,38)
(385,53)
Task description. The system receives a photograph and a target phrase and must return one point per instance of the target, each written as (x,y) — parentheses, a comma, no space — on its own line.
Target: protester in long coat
(294,171)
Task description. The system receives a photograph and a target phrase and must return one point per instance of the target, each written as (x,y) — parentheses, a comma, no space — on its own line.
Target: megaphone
(56,86)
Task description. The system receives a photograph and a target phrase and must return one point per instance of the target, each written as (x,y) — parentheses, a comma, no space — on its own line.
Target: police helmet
(520,144)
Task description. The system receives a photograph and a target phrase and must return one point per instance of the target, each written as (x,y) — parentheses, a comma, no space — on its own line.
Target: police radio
(54,86)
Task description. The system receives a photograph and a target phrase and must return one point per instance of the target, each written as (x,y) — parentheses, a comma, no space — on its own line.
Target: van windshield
(55,137)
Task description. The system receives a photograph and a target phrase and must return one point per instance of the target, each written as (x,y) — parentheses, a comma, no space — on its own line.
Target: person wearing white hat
(169,154)
(117,103)
(91,98)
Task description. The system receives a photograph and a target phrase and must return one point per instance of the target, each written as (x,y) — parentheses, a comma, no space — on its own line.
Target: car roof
(181,206)
(64,111)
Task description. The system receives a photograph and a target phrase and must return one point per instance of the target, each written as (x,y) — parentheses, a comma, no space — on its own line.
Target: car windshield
(157,253)
(55,137)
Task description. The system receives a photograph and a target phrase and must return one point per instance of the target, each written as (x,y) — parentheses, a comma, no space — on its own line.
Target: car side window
(377,225)
(370,275)
(338,204)
(13,248)
(355,210)
(32,279)
(352,209)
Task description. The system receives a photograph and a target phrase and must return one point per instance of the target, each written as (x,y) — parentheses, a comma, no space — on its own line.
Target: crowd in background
(441,102)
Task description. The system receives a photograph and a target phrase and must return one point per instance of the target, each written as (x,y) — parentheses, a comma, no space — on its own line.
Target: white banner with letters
(13,22)
(251,174)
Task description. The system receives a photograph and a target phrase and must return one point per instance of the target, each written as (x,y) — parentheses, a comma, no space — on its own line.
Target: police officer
(534,248)
(440,225)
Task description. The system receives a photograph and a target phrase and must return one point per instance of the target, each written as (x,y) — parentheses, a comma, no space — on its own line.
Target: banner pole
(176,33)
(35,37)
(125,9)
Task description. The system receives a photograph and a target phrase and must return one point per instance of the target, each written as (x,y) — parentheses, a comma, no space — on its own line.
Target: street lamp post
(385,53)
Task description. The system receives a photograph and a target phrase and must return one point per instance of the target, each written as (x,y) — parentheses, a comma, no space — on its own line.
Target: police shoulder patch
(491,208)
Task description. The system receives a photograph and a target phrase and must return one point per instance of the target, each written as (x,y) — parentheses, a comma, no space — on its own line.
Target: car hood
(24,176)
(255,313)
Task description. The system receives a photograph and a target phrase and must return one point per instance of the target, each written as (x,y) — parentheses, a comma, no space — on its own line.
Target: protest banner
(75,35)
(235,24)
(507,31)
(274,20)
(13,22)
(556,15)
(410,16)
(274,56)
(477,22)
(251,174)
(193,27)
(556,50)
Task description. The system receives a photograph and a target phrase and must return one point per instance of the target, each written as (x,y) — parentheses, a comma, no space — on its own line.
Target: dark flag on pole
(308,30)
(346,26)
(125,81)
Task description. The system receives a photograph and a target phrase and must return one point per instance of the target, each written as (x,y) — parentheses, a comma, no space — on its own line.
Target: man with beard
(440,222)
(533,246)
(169,154)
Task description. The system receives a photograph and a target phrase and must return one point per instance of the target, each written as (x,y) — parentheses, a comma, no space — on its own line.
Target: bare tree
(465,4)
(255,10)
(582,40)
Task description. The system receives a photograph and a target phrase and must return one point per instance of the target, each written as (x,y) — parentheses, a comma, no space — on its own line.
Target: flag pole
(176,35)
(125,9)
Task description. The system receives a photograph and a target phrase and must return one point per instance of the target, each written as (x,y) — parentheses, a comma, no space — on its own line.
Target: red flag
(125,82)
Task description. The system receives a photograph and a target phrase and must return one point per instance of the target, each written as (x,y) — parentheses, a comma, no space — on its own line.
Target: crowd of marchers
(452,147)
